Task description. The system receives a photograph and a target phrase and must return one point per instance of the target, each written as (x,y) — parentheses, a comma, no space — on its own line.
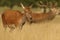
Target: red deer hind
(13,17)
(36,17)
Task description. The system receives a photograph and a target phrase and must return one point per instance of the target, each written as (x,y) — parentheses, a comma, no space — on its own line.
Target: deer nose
(30,18)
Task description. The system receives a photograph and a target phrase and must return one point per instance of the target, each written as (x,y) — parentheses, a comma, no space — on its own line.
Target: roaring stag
(36,17)
(13,17)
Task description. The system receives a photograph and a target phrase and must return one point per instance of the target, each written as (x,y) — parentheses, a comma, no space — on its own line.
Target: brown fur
(10,17)
(36,17)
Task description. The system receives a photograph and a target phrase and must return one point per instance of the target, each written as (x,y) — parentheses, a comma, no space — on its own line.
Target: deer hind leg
(11,28)
(5,26)
(20,26)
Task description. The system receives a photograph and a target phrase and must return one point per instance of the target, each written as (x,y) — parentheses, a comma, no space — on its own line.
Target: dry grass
(39,31)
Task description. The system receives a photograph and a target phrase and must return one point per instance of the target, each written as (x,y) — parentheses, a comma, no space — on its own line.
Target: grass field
(38,31)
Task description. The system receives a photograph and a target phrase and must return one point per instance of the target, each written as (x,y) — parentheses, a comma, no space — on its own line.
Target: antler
(53,4)
(56,4)
(41,4)
(22,5)
(30,5)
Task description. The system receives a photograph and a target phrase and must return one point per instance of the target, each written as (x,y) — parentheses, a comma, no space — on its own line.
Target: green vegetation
(11,3)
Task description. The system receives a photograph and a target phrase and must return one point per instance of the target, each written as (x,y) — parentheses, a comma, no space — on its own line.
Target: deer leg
(22,25)
(5,26)
(11,28)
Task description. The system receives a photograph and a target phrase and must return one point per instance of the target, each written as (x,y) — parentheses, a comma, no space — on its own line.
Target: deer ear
(40,3)
(22,5)
(30,6)
(56,4)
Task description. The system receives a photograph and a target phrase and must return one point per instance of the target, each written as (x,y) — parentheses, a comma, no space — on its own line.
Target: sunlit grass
(41,31)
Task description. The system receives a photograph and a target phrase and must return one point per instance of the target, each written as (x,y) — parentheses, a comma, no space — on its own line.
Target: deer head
(25,8)
(53,8)
(27,12)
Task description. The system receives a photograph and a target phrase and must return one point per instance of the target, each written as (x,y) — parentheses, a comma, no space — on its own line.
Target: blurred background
(11,3)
